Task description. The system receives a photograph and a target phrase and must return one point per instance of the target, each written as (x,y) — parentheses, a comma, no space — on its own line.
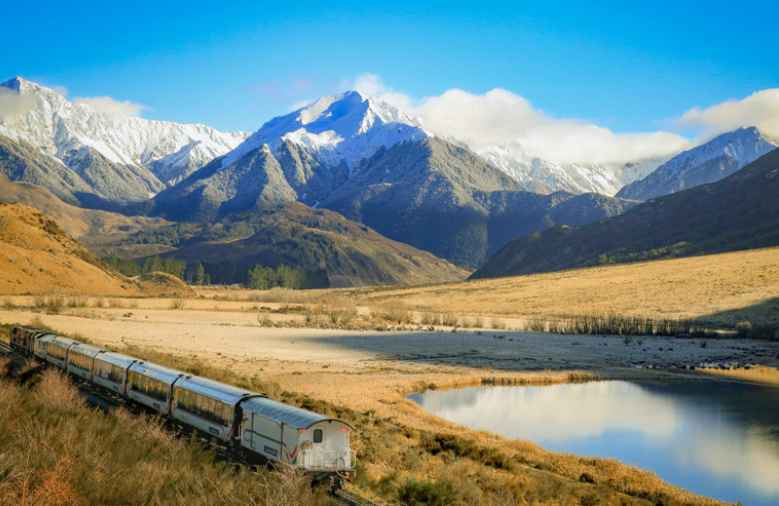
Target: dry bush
(75,302)
(116,303)
(264,321)
(52,304)
(449,320)
(178,304)
(429,319)
(395,314)
(497,324)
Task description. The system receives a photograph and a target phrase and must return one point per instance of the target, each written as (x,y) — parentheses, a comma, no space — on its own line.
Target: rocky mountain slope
(375,165)
(738,212)
(447,200)
(340,252)
(119,157)
(707,163)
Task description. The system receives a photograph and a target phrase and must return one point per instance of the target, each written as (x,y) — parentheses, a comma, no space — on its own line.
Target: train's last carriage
(110,371)
(151,385)
(295,436)
(57,350)
(208,405)
(81,360)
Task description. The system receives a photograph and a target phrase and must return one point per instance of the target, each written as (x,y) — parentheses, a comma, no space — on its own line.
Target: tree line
(259,277)
(193,272)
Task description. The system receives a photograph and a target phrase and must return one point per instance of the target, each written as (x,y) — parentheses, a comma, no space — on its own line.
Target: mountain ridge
(740,211)
(159,153)
(709,162)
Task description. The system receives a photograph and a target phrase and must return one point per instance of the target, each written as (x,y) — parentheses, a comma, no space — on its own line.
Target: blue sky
(235,64)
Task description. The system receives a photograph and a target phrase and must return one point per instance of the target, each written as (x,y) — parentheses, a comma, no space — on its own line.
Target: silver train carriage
(264,429)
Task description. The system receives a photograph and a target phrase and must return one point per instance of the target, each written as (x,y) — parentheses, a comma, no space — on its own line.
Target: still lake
(715,438)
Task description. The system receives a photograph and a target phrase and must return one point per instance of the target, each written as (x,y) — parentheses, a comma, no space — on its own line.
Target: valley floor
(372,372)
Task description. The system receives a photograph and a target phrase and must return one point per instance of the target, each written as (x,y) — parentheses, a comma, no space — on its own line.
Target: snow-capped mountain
(707,163)
(351,127)
(545,176)
(62,129)
(348,127)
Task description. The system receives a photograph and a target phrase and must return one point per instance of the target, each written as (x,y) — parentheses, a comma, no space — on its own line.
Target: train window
(81,361)
(148,386)
(318,435)
(203,407)
(116,374)
(56,351)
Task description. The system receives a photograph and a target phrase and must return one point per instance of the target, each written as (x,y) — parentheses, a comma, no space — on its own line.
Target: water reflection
(717,439)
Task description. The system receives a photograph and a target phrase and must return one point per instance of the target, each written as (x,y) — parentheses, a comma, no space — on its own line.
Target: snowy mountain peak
(707,163)
(346,127)
(46,119)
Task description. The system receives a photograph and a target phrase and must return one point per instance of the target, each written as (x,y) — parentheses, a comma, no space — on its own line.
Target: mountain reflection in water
(718,439)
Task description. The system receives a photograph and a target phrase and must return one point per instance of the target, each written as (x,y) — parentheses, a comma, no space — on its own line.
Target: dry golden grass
(666,297)
(758,374)
(37,257)
(721,288)
(57,451)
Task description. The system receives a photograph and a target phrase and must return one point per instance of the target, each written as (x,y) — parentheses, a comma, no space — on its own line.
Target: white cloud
(13,104)
(760,109)
(371,85)
(111,106)
(502,117)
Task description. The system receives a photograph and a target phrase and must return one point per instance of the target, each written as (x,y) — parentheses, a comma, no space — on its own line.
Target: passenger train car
(260,428)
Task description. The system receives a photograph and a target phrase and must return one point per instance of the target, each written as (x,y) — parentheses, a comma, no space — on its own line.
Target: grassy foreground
(57,451)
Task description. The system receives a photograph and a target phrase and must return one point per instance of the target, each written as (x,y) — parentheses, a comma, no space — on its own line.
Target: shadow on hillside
(763,315)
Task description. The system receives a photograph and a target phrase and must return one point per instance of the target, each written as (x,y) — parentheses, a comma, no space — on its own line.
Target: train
(260,429)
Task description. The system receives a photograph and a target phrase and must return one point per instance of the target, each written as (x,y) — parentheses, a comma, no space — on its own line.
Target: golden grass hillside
(723,288)
(100,231)
(38,257)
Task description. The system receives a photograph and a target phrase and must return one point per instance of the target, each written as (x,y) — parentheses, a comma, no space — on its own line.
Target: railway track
(350,499)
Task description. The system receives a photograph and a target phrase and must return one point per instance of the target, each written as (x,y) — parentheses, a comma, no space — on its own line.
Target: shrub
(460,447)
(419,492)
(178,304)
(52,304)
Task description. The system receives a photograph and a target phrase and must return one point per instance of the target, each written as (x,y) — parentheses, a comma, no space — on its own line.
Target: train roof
(227,394)
(86,349)
(284,413)
(155,371)
(65,341)
(111,357)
